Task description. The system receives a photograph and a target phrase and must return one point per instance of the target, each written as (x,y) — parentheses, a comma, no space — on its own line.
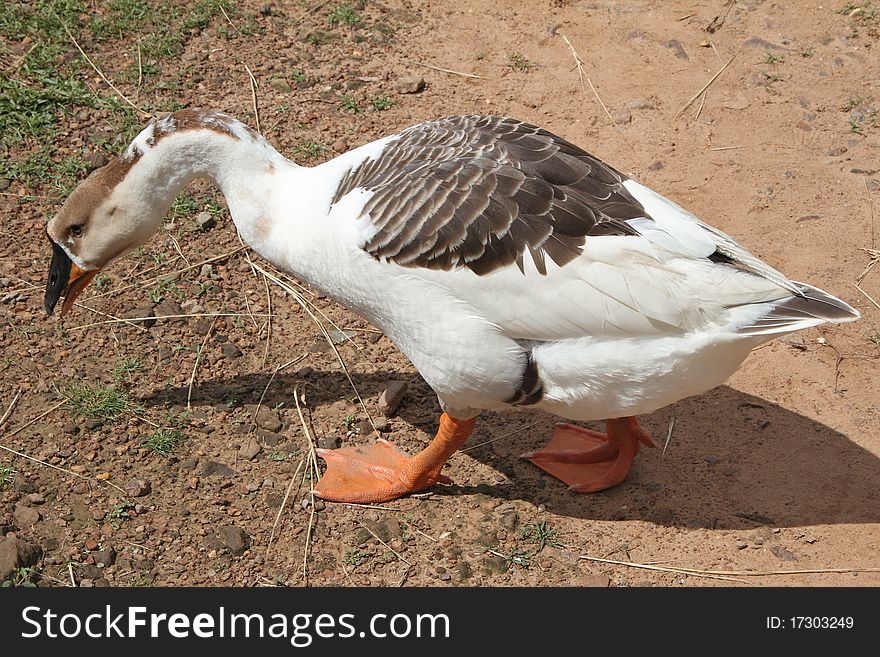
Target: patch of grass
(298,76)
(348,422)
(381,103)
(540,534)
(101,281)
(343,15)
(862,115)
(771,77)
(125,368)
(7,475)
(350,104)
(864,15)
(808,52)
(164,440)
(875,338)
(310,149)
(98,400)
(773,59)
(519,62)
(355,557)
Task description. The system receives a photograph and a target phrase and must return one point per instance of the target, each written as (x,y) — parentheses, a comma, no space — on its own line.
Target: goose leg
(381,472)
(590,461)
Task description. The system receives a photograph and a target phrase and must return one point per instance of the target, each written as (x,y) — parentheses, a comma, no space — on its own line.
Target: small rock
(338,337)
(329,442)
(25,516)
(782,553)
(146,312)
(410,84)
(250,449)
(741,545)
(4,184)
(837,150)
(268,419)
(676,47)
(391,397)
(214,469)
(464,570)
(105,557)
(80,488)
(508,518)
(340,145)
(640,104)
(381,423)
(230,350)
(205,221)
(386,528)
(36,498)
(235,539)
(169,308)
(319,504)
(622,117)
(16,553)
(91,544)
(138,488)
(492,564)
(93,423)
(203,324)
(656,165)
(280,84)
(273,439)
(763,44)
(207,271)
(23,485)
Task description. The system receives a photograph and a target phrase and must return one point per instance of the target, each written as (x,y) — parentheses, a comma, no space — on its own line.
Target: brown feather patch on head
(92,192)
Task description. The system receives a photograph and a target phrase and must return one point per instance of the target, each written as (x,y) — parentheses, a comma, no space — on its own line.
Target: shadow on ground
(734,461)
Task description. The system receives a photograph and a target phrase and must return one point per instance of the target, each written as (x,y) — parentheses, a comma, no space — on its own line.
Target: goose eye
(76,230)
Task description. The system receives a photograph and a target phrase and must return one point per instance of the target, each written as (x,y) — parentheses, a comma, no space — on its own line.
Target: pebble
(214,469)
(138,488)
(622,117)
(409,84)
(205,221)
(836,151)
(640,104)
(268,419)
(91,544)
(656,165)
(4,184)
(23,485)
(25,516)
(230,350)
(273,439)
(250,449)
(105,557)
(144,311)
(280,84)
(741,545)
(340,145)
(80,488)
(329,442)
(782,553)
(16,553)
(676,47)
(236,540)
(391,397)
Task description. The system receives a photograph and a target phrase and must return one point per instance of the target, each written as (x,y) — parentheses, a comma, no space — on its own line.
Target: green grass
(863,15)
(165,440)
(343,15)
(124,370)
(518,62)
(355,557)
(862,116)
(350,104)
(382,103)
(875,338)
(311,150)
(773,59)
(120,511)
(7,475)
(98,401)
(540,535)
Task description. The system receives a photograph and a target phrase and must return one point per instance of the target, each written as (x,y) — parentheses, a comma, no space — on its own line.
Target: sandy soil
(777,470)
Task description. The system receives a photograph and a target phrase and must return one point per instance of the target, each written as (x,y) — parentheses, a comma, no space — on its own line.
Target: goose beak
(64,278)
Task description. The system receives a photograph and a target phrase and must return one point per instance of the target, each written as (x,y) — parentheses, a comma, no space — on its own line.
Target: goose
(512,268)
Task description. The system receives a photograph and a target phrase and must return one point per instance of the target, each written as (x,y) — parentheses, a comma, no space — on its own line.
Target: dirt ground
(776,471)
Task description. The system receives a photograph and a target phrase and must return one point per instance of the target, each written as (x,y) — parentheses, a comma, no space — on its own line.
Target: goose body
(510,266)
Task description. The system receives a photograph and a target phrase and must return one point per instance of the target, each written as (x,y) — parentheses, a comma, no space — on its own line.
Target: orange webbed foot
(380,472)
(590,461)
